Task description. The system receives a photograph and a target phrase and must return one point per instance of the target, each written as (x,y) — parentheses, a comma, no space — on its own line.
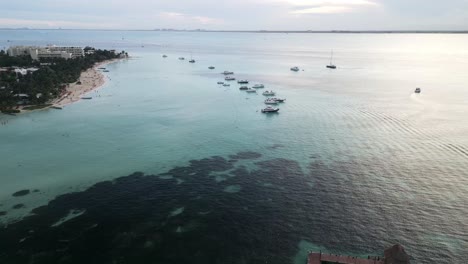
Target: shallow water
(353,163)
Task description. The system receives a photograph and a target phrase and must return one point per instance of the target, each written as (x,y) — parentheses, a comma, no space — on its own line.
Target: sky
(237,14)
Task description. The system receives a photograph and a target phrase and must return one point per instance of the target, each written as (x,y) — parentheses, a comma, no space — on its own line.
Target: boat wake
(429,108)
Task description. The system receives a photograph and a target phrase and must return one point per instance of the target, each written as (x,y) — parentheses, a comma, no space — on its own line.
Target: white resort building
(37,53)
(20,50)
(75,51)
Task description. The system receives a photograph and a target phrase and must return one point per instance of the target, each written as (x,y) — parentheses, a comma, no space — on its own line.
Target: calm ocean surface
(165,166)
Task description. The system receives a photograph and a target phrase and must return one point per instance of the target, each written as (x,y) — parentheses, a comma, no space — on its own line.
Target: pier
(321,258)
(393,255)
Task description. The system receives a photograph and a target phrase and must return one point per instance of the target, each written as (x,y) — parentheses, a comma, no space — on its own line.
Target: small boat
(228,72)
(86,98)
(250,90)
(242,81)
(101,68)
(191,58)
(295,69)
(164,56)
(220,82)
(278,100)
(245,88)
(271,101)
(56,107)
(418,90)
(181,58)
(268,93)
(105,71)
(331,65)
(270,109)
(229,78)
(211,67)
(256,86)
(226,84)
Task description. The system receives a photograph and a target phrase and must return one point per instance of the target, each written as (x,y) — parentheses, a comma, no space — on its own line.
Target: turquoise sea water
(353,162)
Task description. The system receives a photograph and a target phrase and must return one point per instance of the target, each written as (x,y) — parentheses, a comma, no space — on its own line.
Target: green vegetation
(10,111)
(35,107)
(45,84)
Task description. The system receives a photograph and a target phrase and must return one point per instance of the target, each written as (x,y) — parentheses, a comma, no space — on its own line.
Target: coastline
(91,79)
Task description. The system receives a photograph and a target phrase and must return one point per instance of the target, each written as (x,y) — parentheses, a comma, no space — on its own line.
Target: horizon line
(252,31)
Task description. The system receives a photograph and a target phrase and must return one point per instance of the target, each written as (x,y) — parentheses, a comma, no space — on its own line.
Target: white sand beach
(90,79)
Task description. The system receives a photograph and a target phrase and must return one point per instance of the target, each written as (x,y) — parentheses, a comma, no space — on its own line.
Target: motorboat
(181,58)
(243,88)
(211,67)
(86,98)
(268,93)
(278,100)
(250,90)
(242,81)
(256,86)
(418,90)
(229,78)
(220,82)
(295,69)
(228,72)
(105,71)
(271,101)
(226,84)
(164,56)
(270,109)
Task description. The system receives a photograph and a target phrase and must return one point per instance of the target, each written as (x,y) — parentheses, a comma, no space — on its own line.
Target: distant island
(323,31)
(413,31)
(33,77)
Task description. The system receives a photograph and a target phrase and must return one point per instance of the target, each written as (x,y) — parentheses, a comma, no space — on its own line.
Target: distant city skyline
(287,15)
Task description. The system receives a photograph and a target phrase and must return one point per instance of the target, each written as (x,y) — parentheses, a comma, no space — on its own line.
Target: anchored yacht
(268,93)
(270,109)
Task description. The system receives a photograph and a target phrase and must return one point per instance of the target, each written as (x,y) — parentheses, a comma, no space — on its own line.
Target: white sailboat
(191,59)
(331,65)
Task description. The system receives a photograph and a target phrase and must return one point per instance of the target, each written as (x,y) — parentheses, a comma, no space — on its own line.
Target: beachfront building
(25,71)
(38,53)
(75,51)
(18,70)
(21,50)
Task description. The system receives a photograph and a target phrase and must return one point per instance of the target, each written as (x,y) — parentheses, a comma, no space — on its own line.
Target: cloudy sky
(237,14)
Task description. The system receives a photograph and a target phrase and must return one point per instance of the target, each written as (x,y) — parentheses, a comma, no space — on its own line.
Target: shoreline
(91,79)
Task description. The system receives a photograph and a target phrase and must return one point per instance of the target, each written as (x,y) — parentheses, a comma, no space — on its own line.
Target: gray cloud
(240,14)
